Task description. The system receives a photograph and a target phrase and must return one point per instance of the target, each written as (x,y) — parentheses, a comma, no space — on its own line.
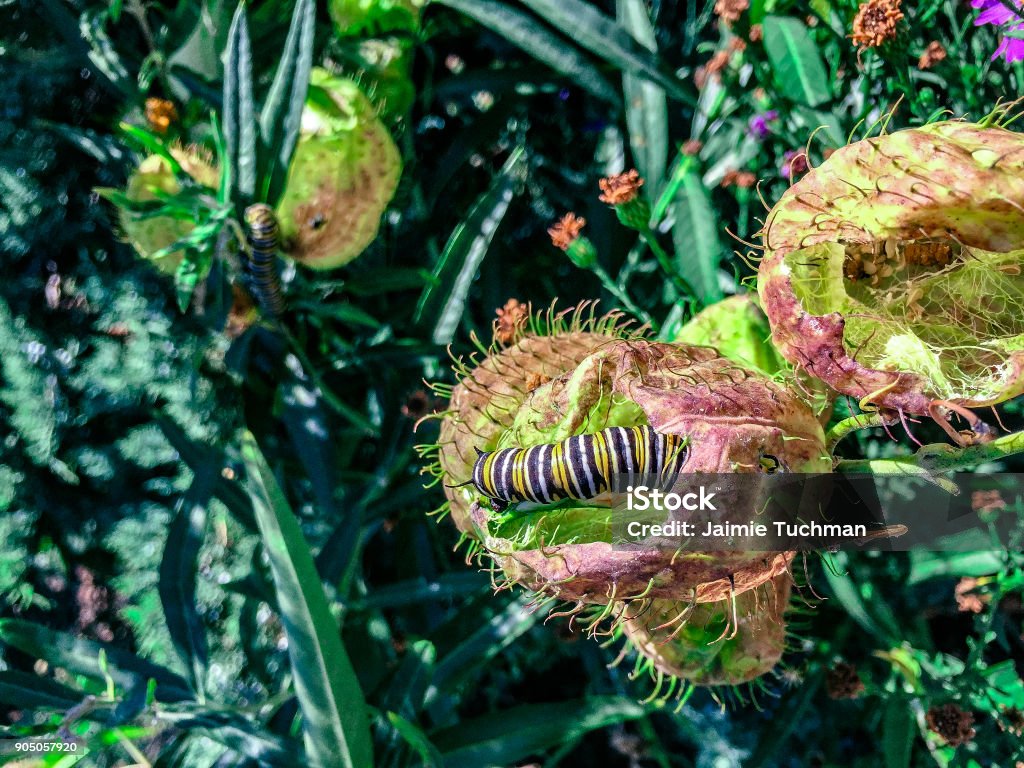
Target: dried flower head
(987,501)
(692,147)
(417,405)
(968,601)
(566,230)
(932,55)
(741,179)
(621,189)
(730,11)
(160,113)
(953,724)
(794,162)
(843,682)
(512,317)
(875,22)
(756,33)
(1012,721)
(717,63)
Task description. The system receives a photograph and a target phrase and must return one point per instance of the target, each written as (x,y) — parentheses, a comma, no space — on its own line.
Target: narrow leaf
(82,657)
(239,109)
(282,112)
(335,722)
(415,738)
(178,577)
(445,300)
(898,728)
(646,104)
(509,736)
(795,60)
(24,690)
(537,40)
(605,38)
(695,237)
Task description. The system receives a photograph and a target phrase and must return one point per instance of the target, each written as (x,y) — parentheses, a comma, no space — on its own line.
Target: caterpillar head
(892,272)
(343,175)
(544,388)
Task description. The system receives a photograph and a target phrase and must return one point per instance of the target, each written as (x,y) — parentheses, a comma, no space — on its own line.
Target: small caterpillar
(262,263)
(579,467)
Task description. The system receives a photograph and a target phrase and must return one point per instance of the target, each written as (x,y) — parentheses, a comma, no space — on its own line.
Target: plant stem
(627,303)
(939,457)
(850,425)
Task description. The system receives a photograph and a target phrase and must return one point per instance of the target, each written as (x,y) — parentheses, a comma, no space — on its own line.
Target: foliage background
(115,405)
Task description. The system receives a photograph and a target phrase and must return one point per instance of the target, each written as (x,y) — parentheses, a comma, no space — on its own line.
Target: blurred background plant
(143,535)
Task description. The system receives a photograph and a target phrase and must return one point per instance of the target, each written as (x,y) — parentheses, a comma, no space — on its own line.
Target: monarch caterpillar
(579,467)
(262,264)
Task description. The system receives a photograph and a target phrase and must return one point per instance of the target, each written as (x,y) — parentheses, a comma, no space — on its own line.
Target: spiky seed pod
(738,328)
(154,177)
(892,272)
(343,175)
(732,416)
(728,642)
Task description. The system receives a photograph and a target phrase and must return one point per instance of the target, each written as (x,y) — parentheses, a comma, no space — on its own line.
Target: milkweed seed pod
(542,389)
(738,328)
(343,175)
(728,642)
(152,179)
(892,271)
(376,17)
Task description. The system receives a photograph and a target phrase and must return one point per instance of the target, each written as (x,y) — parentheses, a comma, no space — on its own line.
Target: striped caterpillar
(579,467)
(262,265)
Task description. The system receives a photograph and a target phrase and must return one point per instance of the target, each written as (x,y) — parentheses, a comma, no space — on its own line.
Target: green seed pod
(361,17)
(154,176)
(732,416)
(892,272)
(343,175)
(738,329)
(728,642)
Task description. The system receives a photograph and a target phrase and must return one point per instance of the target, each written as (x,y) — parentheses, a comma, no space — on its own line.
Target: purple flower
(758,126)
(998,14)
(794,162)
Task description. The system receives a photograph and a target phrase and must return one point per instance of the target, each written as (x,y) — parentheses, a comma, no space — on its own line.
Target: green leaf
(505,737)
(795,60)
(24,690)
(178,577)
(282,112)
(877,623)
(82,657)
(695,237)
(646,104)
(538,41)
(239,109)
(444,301)
(898,729)
(335,720)
(602,36)
(929,565)
(479,648)
(418,740)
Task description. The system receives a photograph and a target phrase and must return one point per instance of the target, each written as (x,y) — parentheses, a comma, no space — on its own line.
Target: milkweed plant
(328,326)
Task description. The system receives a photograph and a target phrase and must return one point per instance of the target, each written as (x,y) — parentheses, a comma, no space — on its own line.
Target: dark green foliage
(156,591)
